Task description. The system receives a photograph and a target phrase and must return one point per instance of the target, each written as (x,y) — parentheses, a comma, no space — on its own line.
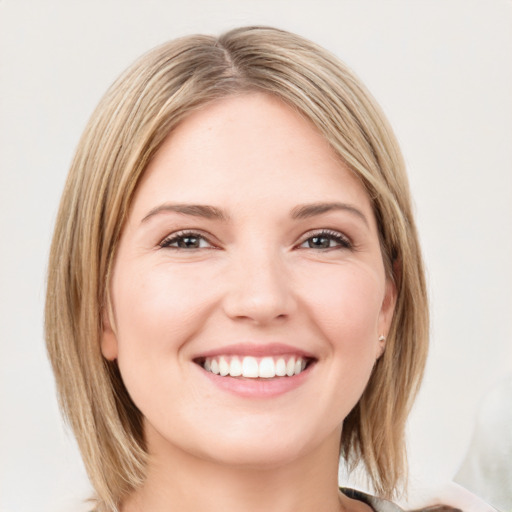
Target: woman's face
(249,249)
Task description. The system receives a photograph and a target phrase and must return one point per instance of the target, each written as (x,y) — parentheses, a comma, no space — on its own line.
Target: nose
(260,289)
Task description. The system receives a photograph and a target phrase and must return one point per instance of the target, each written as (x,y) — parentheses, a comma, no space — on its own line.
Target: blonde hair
(134,117)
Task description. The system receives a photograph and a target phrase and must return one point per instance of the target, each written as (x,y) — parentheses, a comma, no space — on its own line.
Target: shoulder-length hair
(132,120)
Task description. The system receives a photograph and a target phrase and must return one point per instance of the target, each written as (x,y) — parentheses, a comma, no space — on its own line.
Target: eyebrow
(212,212)
(310,210)
(196,210)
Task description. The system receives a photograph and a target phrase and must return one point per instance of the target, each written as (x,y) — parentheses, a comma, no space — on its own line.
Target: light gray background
(441,69)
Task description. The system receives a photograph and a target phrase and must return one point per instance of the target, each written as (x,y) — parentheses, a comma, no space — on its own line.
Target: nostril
(261,297)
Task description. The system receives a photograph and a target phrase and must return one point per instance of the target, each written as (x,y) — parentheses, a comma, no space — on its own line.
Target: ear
(108,338)
(386,314)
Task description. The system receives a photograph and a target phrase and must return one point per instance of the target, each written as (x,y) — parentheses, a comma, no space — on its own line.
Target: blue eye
(185,240)
(327,240)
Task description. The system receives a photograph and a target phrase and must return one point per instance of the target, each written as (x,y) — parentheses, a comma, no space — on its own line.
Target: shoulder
(381,505)
(377,504)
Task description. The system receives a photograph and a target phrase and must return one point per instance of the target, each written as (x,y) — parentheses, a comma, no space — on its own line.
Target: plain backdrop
(442,71)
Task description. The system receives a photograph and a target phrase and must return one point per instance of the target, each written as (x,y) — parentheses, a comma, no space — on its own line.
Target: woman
(236,292)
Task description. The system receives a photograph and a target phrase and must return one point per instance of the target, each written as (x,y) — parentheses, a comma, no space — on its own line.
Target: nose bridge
(260,287)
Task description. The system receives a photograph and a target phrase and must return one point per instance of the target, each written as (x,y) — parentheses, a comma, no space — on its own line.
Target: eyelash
(180,235)
(342,240)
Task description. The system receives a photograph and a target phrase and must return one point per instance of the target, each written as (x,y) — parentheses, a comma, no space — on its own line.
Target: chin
(251,446)
(256,455)
(275,446)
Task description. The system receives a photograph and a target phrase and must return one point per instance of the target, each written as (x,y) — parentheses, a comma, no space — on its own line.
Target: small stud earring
(382,338)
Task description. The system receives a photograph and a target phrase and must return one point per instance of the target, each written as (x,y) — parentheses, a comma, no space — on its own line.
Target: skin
(257,277)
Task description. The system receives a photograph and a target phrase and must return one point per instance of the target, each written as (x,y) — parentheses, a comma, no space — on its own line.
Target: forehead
(250,147)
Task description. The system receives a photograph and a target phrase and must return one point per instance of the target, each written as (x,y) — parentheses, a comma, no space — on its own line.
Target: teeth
(281,367)
(267,368)
(250,367)
(223,366)
(290,367)
(214,367)
(235,368)
(253,368)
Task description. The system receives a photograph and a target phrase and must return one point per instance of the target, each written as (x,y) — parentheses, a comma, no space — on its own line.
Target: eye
(326,239)
(185,240)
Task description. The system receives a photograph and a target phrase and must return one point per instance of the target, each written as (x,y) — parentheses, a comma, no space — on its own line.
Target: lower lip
(258,388)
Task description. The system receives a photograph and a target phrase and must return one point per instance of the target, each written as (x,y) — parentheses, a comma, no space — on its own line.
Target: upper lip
(255,350)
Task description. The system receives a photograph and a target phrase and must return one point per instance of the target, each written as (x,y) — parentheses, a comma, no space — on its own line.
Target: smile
(254,367)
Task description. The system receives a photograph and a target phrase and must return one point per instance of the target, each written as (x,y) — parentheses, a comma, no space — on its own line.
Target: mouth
(251,367)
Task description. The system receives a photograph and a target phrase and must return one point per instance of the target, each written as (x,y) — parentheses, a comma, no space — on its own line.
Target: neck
(185,482)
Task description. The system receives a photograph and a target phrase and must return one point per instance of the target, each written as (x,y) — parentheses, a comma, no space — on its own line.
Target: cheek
(346,303)
(158,304)
(346,311)
(156,311)
(341,308)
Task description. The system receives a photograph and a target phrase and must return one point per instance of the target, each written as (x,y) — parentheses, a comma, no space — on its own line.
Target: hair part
(126,130)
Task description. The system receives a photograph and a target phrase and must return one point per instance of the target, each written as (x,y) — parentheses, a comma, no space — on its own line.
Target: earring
(382,339)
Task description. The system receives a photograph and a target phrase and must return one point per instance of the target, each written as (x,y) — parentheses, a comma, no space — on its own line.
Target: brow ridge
(196,210)
(310,210)
(212,212)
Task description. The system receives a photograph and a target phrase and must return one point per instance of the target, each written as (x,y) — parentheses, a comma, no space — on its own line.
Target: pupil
(189,241)
(319,242)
